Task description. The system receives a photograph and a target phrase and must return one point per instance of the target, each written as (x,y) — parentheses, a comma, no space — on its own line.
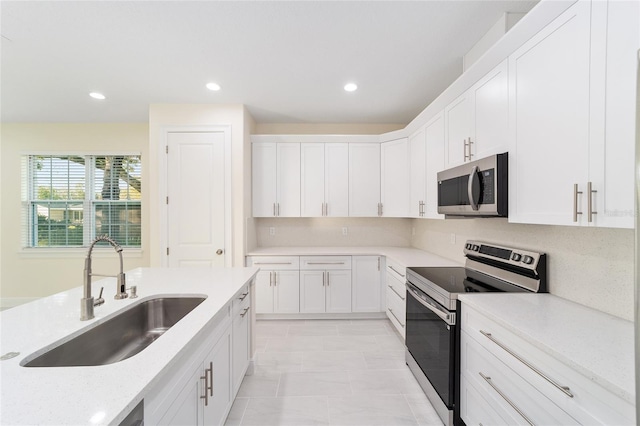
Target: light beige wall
(325,128)
(192,115)
(324,231)
(25,274)
(590,266)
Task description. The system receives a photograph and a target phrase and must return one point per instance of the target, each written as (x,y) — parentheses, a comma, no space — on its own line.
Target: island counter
(102,394)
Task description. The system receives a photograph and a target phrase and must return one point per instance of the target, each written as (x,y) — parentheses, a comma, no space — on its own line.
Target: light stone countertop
(102,394)
(403,255)
(597,345)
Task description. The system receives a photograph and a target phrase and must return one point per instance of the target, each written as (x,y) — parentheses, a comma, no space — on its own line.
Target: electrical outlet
(344,231)
(453,238)
(272,230)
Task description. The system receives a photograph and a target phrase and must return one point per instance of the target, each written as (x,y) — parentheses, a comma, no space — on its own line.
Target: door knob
(219,252)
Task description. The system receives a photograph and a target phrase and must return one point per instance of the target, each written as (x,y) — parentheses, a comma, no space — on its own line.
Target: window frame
(88,203)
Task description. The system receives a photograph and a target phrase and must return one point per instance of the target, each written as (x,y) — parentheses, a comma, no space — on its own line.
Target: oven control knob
(475,248)
(516,257)
(527,260)
(467,246)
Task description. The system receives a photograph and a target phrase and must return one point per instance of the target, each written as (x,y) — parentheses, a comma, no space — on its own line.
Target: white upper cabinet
(572,114)
(364,179)
(434,141)
(324,176)
(276,179)
(417,173)
(394,178)
(477,122)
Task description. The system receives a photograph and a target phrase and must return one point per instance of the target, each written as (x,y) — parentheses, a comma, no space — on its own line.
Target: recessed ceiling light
(350,87)
(96,95)
(213,86)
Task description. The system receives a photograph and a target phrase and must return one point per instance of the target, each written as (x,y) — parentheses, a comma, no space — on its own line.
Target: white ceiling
(286,61)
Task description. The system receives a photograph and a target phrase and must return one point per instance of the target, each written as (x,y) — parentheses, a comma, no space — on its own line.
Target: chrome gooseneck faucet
(87,303)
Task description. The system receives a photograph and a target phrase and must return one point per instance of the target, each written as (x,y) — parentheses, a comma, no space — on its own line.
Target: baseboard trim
(301,316)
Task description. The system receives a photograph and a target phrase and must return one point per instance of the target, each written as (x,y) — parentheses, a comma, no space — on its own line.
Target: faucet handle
(99,301)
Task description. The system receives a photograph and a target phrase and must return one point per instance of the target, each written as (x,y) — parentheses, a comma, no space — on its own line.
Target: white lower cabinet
(325,284)
(507,379)
(277,284)
(199,391)
(241,332)
(396,295)
(366,282)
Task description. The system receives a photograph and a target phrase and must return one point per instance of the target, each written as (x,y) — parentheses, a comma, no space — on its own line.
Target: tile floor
(330,372)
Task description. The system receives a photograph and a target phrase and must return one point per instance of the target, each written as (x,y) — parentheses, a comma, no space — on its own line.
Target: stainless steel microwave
(478,188)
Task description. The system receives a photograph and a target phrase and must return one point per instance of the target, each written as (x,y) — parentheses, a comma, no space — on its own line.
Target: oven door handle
(446,316)
(473,187)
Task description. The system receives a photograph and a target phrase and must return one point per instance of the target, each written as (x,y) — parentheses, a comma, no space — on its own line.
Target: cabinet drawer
(506,388)
(274,262)
(396,311)
(241,301)
(589,403)
(476,410)
(397,286)
(397,270)
(325,262)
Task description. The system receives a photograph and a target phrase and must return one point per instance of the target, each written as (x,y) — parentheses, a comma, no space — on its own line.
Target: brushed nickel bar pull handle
(211,381)
(397,319)
(278,209)
(244,296)
(470,142)
(394,270)
(328,275)
(394,290)
(378,263)
(464,150)
(488,380)
(274,209)
(564,389)
(206,388)
(575,202)
(590,211)
(270,278)
(324,279)
(381,209)
(325,263)
(275,278)
(244,312)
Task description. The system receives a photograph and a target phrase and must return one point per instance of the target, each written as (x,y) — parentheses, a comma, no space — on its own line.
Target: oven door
(430,338)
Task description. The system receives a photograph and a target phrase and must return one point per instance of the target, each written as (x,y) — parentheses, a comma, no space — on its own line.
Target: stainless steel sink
(120,337)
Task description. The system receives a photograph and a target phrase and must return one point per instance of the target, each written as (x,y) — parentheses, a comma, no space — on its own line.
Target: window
(70,199)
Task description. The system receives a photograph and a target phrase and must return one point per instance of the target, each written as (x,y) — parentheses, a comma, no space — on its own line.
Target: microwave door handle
(474,182)
(447,317)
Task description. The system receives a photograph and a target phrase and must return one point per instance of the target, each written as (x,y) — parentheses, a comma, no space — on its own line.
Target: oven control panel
(508,255)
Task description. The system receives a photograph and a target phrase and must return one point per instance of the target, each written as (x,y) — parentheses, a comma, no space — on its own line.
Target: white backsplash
(590,266)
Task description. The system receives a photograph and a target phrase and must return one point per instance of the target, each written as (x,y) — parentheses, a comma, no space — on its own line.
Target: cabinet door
(364,179)
(549,81)
(287,292)
(459,126)
(312,291)
(336,179)
(611,166)
(366,284)
(434,140)
(394,178)
(491,103)
(288,180)
(312,179)
(186,408)
(264,179)
(220,360)
(338,291)
(417,169)
(241,355)
(264,292)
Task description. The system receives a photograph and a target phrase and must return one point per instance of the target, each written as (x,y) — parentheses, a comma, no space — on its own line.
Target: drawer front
(397,270)
(506,389)
(397,286)
(241,301)
(274,262)
(325,262)
(396,311)
(589,403)
(476,410)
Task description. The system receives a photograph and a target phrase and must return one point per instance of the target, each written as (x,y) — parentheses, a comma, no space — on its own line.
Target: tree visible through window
(71,199)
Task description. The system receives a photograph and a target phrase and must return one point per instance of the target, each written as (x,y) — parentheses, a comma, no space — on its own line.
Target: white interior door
(196,198)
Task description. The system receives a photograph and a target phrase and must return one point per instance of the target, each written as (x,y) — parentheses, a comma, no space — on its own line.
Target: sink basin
(120,337)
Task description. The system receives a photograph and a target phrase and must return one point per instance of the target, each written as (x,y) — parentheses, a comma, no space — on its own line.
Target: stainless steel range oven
(432,327)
